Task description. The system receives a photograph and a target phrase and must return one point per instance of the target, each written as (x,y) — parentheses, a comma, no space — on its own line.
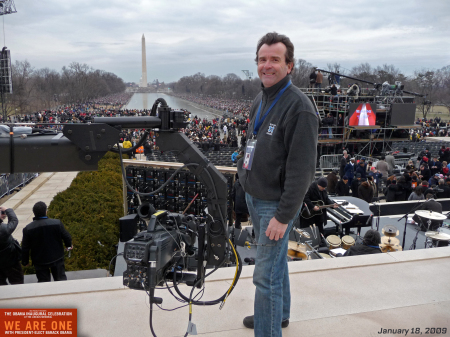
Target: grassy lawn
(436,111)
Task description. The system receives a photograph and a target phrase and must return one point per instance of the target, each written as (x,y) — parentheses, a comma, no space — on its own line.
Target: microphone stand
(406,222)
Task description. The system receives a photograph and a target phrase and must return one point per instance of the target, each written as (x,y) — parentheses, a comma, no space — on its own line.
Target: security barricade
(330,161)
(8,182)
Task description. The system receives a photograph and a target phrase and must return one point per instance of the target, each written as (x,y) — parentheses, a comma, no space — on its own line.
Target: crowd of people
(430,128)
(108,106)
(232,106)
(371,181)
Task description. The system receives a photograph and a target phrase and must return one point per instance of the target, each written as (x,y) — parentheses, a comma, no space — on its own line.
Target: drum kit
(303,251)
(389,240)
(433,238)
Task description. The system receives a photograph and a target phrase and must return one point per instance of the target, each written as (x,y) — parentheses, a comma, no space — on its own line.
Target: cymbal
(430,215)
(440,237)
(390,230)
(297,246)
(430,233)
(389,241)
(387,249)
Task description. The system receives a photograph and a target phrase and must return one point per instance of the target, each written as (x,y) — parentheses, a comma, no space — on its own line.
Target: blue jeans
(271,275)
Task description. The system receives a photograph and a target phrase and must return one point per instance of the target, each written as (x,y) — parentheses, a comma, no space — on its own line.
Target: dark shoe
(249,322)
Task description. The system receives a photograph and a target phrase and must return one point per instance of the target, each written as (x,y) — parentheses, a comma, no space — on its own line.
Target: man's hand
(276,229)
(2,209)
(316,208)
(335,205)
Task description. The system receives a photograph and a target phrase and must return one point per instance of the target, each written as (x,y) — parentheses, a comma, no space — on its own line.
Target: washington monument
(143,83)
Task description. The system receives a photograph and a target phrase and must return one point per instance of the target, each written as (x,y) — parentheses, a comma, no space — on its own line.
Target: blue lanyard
(258,122)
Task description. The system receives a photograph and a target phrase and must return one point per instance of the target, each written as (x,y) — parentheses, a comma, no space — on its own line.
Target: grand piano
(345,218)
(356,214)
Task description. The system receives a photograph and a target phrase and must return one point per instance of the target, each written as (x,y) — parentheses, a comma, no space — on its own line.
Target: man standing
(349,170)
(383,167)
(10,254)
(319,79)
(344,161)
(282,134)
(43,239)
(312,79)
(390,160)
(317,196)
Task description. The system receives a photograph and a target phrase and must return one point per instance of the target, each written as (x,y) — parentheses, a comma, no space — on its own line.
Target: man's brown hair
(272,38)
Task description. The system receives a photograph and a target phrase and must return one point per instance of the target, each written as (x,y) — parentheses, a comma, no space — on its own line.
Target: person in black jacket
(404,189)
(240,205)
(10,255)
(317,192)
(361,169)
(342,188)
(429,205)
(425,173)
(355,185)
(370,245)
(332,181)
(365,192)
(344,161)
(391,191)
(445,190)
(43,240)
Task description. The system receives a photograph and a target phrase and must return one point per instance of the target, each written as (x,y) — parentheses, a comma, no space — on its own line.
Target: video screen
(403,114)
(362,114)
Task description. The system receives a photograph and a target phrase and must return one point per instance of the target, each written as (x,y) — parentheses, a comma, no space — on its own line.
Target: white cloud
(219,37)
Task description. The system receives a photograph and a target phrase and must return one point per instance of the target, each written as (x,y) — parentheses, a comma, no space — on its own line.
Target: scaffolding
(364,140)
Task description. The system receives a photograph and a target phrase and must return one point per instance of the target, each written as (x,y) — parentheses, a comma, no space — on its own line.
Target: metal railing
(9,182)
(333,161)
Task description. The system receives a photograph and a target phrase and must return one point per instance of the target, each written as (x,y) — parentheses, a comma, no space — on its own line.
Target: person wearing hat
(342,188)
(355,185)
(424,173)
(361,169)
(315,196)
(349,170)
(433,181)
(435,165)
(370,245)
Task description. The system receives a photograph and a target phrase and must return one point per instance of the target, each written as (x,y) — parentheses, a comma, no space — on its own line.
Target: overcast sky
(219,37)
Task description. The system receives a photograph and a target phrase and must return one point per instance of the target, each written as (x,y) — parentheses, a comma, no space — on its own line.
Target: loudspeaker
(5,71)
(128,227)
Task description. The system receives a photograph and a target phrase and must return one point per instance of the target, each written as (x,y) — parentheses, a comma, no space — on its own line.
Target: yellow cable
(235,275)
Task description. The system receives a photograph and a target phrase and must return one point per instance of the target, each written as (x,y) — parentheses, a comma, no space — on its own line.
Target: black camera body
(148,256)
(151,254)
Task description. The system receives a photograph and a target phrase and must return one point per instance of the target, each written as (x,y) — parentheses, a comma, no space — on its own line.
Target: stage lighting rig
(7,7)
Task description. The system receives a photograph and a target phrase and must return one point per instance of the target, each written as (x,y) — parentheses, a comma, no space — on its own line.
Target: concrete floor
(353,296)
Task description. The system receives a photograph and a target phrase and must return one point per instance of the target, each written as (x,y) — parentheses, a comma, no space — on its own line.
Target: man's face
(272,67)
(321,188)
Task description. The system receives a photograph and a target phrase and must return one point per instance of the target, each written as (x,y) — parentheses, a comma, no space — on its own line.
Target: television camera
(384,89)
(172,243)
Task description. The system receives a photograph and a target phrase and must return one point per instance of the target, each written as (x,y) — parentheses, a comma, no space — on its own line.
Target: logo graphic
(271,129)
